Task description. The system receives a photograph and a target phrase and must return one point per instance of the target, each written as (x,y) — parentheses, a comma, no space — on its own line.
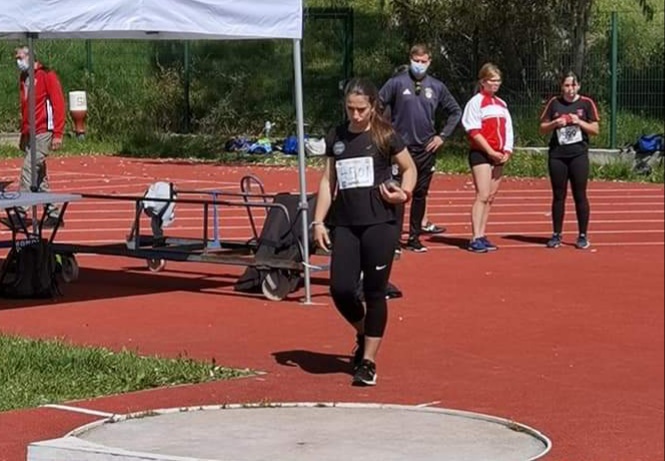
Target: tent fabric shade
(152,19)
(166,20)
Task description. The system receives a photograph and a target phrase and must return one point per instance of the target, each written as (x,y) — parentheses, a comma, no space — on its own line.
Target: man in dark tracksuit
(413,98)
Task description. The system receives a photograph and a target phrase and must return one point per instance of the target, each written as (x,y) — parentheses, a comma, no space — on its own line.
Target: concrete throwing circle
(315,431)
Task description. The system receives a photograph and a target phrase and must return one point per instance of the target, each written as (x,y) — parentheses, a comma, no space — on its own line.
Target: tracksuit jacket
(49,103)
(489,116)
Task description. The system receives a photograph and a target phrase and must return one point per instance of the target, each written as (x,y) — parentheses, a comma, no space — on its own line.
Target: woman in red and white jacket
(490,129)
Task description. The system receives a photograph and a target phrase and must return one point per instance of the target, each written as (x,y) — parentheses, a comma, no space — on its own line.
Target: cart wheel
(156,265)
(69,268)
(276,285)
(295,281)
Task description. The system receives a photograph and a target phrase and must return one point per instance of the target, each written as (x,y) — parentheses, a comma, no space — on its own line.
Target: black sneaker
(555,241)
(582,242)
(413,244)
(365,375)
(358,352)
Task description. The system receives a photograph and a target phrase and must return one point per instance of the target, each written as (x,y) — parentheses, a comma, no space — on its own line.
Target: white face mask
(418,69)
(22,64)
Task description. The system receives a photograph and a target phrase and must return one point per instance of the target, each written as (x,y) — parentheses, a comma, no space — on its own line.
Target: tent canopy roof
(152,19)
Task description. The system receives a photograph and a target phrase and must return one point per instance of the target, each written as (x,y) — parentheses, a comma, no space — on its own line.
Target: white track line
(505,190)
(429,404)
(238,236)
(592,232)
(516,202)
(544,205)
(132,185)
(241,214)
(547,213)
(134,176)
(107,182)
(84,411)
(431,246)
(513,199)
(97,175)
(535,245)
(528,198)
(226,211)
(257,219)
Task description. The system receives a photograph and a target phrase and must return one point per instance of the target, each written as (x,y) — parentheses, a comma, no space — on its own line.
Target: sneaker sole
(478,251)
(434,232)
(364,383)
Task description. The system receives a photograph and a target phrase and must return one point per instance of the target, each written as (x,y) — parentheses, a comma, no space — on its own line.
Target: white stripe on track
(592,232)
(431,246)
(241,214)
(506,190)
(594,205)
(535,245)
(239,236)
(121,176)
(84,411)
(436,203)
(129,221)
(545,199)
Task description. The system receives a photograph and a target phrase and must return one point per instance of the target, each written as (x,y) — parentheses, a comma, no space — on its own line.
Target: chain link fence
(232,88)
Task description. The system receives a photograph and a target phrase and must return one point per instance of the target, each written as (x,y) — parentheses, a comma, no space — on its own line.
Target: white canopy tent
(167,20)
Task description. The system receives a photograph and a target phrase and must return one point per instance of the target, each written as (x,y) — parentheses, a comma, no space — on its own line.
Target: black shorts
(477,157)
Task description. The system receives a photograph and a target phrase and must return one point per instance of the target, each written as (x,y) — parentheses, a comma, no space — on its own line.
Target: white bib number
(355,172)
(570,134)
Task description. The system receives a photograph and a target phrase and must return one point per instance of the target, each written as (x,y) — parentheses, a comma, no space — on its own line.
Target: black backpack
(30,271)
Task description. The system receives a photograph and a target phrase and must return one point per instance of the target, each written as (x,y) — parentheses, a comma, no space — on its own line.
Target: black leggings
(576,170)
(425,163)
(367,250)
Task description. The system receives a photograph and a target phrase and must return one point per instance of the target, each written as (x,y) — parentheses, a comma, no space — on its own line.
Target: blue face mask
(418,69)
(22,65)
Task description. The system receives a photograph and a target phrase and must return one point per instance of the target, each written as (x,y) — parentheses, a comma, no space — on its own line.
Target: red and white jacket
(49,103)
(488,115)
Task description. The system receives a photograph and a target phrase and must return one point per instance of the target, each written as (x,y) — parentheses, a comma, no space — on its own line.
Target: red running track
(567,341)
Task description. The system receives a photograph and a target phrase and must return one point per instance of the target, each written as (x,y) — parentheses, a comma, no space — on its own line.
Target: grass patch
(38,372)
(529,165)
(7,151)
(70,146)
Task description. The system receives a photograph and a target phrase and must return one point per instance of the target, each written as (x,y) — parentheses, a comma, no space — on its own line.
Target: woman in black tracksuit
(571,118)
(356,188)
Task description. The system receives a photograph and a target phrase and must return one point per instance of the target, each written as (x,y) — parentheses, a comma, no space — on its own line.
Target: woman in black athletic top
(357,189)
(571,118)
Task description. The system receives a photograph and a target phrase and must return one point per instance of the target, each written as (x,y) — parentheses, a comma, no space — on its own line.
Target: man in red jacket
(50,124)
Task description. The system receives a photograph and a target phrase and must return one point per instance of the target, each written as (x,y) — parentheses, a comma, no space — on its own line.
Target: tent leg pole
(32,102)
(302,170)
